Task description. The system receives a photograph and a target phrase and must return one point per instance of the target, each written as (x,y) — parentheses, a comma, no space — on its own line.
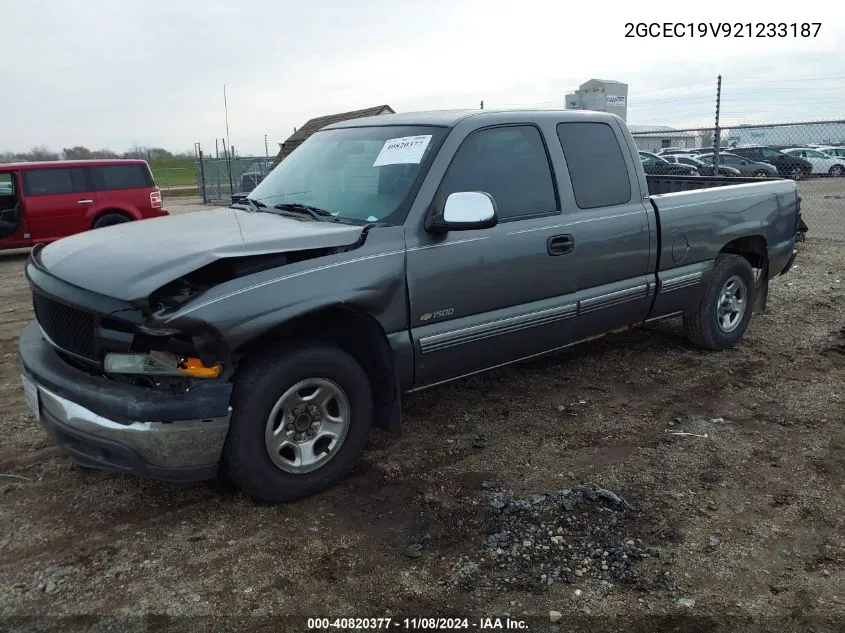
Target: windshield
(358,175)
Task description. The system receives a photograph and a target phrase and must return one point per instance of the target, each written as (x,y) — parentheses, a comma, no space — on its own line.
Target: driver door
(482,298)
(12,227)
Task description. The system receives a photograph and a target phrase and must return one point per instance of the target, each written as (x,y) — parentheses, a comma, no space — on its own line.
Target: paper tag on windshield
(402,151)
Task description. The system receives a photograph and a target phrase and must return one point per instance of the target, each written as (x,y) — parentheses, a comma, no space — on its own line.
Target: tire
(836,171)
(705,325)
(760,174)
(110,219)
(265,385)
(797,173)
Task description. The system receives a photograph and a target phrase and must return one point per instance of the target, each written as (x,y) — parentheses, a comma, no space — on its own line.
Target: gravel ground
(823,206)
(633,483)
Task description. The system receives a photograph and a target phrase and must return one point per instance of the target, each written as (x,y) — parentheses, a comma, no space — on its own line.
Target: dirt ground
(736,523)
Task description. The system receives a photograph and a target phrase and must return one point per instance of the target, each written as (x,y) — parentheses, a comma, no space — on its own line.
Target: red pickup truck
(41,202)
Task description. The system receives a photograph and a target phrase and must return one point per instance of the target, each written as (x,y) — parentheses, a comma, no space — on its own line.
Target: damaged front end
(137,332)
(109,337)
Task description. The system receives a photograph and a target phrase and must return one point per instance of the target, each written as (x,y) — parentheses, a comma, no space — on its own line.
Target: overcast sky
(113,74)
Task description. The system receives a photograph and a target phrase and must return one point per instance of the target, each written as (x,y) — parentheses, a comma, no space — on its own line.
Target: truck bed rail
(673,184)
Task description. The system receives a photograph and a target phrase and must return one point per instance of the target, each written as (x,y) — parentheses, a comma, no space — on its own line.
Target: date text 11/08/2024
(418,624)
(723,29)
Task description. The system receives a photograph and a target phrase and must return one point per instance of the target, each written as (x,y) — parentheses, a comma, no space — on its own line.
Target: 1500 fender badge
(437,314)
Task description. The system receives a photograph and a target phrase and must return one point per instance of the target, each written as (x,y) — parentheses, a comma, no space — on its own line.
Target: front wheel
(836,171)
(760,174)
(725,307)
(300,419)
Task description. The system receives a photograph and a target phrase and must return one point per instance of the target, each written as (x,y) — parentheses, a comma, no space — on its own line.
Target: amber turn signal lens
(194,367)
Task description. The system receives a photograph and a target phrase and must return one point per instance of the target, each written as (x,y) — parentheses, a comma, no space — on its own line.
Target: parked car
(268,337)
(836,152)
(668,151)
(745,166)
(823,164)
(701,167)
(41,202)
(657,166)
(707,150)
(787,166)
(254,174)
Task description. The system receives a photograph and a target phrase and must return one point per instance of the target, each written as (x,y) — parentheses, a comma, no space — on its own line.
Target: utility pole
(266,148)
(482,104)
(717,136)
(226,110)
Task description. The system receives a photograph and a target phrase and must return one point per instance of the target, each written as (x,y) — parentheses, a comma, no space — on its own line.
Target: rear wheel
(836,171)
(300,420)
(724,311)
(110,219)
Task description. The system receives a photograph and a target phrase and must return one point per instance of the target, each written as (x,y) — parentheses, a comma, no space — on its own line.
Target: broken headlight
(156,363)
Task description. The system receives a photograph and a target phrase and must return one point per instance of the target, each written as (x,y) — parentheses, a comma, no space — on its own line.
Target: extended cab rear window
(111,177)
(596,164)
(51,182)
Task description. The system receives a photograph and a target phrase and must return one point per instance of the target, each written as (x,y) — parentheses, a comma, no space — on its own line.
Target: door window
(47,182)
(7,184)
(509,163)
(596,165)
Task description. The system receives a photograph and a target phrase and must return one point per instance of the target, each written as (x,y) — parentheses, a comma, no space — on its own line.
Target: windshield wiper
(252,204)
(316,213)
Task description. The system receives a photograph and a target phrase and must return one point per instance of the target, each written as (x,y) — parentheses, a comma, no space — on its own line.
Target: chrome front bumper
(184,450)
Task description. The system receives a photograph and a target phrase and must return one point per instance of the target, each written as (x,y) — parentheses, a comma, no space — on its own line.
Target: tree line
(80,152)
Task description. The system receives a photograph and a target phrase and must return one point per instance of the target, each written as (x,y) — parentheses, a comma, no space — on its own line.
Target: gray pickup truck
(384,256)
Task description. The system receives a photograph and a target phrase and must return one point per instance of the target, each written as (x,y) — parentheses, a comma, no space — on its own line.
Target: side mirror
(465,211)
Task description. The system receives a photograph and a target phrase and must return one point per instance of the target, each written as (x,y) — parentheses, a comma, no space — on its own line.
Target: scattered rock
(500,540)
(414,550)
(715,540)
(566,535)
(555,616)
(825,572)
(50,587)
(497,503)
(689,603)
(479,442)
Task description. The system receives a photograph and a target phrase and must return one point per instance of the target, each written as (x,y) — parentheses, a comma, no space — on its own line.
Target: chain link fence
(217,179)
(811,153)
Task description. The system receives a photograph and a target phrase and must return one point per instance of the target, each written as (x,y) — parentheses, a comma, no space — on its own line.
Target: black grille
(69,328)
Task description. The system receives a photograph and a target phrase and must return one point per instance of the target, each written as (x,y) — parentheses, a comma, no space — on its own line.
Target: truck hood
(129,261)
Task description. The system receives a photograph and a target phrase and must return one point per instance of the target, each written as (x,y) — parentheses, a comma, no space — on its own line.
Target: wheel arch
(755,249)
(112,211)
(357,333)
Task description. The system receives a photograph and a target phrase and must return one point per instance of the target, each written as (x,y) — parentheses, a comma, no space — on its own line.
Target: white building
(603,95)
(653,138)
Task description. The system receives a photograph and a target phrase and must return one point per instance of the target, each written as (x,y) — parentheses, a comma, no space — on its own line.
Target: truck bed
(674,184)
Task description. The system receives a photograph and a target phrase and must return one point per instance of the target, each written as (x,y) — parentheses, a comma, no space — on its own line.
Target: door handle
(560,244)
(84,202)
